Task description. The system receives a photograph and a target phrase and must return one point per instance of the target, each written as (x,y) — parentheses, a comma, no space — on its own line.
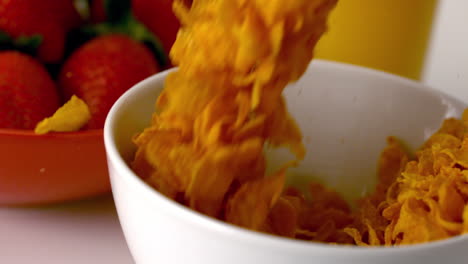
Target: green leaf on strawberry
(25,44)
(4,37)
(117,11)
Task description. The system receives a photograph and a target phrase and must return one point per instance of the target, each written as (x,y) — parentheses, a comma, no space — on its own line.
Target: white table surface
(80,232)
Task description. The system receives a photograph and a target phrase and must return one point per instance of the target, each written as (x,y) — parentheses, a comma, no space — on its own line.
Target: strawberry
(27,92)
(50,19)
(98,11)
(159,18)
(64,12)
(103,69)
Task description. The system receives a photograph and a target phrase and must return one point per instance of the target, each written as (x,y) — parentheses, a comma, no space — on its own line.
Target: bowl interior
(345,113)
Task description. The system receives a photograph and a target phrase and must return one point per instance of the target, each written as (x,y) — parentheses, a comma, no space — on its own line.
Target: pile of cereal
(224,104)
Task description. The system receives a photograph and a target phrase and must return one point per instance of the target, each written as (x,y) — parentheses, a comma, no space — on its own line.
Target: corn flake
(72,116)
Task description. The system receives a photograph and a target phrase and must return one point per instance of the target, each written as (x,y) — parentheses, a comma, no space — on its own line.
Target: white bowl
(346,113)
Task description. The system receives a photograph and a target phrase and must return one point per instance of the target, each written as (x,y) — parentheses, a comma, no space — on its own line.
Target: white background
(447,61)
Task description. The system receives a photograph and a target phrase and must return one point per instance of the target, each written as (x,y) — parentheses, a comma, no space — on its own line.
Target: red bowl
(56,167)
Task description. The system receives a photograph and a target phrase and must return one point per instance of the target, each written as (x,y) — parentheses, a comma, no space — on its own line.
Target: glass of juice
(389,35)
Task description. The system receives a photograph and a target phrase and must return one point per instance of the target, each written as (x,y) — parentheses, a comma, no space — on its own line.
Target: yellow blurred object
(72,116)
(389,35)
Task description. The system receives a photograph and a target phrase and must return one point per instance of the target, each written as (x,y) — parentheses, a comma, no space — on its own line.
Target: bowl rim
(224,229)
